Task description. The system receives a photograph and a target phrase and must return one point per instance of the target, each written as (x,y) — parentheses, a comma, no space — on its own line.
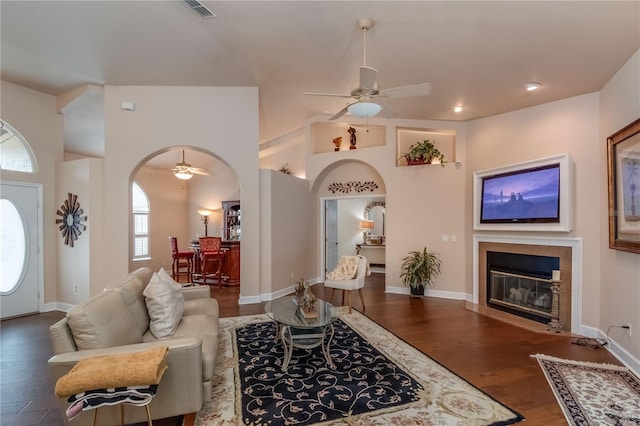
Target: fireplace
(521,284)
(534,277)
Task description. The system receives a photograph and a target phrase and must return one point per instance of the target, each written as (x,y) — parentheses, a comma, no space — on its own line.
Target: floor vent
(198,8)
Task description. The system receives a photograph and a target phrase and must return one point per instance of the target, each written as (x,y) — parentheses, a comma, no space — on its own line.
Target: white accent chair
(356,283)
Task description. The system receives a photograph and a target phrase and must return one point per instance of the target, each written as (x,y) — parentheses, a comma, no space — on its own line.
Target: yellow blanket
(346,268)
(111,371)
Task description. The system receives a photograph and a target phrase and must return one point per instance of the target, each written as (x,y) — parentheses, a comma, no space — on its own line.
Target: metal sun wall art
(352,186)
(71,225)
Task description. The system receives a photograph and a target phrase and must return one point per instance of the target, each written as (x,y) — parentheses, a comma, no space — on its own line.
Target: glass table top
(286,311)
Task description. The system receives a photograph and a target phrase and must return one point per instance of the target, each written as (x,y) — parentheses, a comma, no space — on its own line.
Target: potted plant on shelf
(423,153)
(419,269)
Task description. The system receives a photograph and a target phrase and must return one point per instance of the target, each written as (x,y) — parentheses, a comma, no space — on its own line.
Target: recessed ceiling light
(457,108)
(532,86)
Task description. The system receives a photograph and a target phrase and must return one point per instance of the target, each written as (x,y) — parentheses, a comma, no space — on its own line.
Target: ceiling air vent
(198,8)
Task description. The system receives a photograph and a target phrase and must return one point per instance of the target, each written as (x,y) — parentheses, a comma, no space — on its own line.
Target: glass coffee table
(296,331)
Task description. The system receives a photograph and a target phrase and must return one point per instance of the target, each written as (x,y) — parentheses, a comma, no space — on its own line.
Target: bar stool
(182,261)
(211,258)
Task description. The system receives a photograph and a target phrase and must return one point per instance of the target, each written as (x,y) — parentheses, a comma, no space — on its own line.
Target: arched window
(140,223)
(15,153)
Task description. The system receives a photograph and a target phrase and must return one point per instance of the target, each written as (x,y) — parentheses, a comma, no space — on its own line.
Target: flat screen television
(529,195)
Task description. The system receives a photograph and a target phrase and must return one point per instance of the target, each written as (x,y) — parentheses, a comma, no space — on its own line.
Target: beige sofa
(117,321)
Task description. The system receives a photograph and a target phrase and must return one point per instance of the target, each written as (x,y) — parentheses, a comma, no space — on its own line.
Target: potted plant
(419,269)
(423,153)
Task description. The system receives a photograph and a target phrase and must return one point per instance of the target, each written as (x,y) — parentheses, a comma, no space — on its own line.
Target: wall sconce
(205,219)
(366,226)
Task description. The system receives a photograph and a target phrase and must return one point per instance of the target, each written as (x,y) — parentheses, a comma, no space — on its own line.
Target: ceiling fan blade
(340,113)
(199,171)
(422,89)
(327,94)
(386,111)
(368,77)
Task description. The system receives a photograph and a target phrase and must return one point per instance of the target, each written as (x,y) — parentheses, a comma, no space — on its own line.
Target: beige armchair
(349,285)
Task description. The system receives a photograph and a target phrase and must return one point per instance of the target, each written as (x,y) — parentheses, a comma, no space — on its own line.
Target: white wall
(578,126)
(167,216)
(33,115)
(619,297)
(423,203)
(208,192)
(81,267)
(288,239)
(565,126)
(287,150)
(218,120)
(349,216)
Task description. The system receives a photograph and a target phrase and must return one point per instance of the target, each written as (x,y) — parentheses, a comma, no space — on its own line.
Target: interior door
(19,288)
(331,234)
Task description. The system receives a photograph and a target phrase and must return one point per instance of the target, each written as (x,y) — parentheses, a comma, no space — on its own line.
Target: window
(140,223)
(15,153)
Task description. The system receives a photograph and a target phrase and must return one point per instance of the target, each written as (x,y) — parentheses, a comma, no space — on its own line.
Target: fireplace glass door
(530,297)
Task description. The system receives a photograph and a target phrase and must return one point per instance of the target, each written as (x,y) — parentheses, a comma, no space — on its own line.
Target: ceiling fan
(185,171)
(368,91)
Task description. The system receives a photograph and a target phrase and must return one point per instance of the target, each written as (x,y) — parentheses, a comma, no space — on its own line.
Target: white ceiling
(478,54)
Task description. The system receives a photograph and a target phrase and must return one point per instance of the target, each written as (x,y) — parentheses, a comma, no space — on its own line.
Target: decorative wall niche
(322,135)
(444,140)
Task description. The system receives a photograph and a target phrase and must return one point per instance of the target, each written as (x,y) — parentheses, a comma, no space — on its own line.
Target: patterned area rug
(378,380)
(591,393)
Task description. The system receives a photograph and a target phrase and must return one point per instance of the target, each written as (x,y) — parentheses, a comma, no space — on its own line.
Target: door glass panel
(13,247)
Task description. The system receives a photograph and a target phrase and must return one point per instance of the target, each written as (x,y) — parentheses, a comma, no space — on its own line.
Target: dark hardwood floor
(491,354)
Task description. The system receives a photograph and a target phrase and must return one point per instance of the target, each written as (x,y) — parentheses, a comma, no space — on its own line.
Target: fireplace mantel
(534,245)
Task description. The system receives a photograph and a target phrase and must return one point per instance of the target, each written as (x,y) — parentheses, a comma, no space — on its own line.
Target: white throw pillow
(164,276)
(165,303)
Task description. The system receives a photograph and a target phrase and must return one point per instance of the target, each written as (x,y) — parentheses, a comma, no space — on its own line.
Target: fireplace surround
(567,251)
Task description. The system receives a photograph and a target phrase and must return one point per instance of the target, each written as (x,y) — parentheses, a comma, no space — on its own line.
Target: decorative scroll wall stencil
(352,186)
(71,225)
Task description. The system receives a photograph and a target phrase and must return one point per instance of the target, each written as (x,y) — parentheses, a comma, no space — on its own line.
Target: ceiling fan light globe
(183,174)
(364,109)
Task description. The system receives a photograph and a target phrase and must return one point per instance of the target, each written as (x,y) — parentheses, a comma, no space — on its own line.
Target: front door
(19,256)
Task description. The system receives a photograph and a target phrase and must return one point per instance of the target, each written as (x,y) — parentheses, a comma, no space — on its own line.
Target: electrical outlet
(75,290)
(628,329)
(292,274)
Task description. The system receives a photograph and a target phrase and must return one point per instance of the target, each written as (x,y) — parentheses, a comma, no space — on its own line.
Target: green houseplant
(423,153)
(419,269)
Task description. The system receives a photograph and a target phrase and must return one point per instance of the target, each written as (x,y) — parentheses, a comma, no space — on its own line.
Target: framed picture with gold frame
(623,170)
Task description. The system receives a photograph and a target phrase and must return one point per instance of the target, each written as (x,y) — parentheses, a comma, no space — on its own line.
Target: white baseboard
(265,297)
(631,362)
(429,293)
(57,306)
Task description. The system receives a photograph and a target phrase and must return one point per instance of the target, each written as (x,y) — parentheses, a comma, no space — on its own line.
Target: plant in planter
(419,269)
(423,153)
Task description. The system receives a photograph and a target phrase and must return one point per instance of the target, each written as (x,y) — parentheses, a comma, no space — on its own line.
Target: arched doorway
(347,187)
(175,205)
